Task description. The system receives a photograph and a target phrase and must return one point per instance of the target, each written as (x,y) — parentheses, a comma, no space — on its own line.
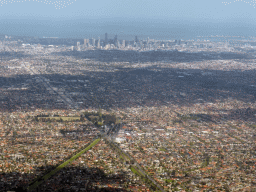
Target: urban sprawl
(127,115)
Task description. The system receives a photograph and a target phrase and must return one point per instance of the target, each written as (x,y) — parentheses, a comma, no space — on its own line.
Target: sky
(98,15)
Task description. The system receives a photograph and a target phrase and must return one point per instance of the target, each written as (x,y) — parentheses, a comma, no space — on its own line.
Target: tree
(174,173)
(109,119)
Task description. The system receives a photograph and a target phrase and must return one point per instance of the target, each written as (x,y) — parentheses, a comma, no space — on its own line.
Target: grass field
(137,172)
(48,175)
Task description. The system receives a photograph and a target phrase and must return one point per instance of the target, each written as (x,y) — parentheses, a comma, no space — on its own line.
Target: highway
(68,101)
(109,136)
(135,164)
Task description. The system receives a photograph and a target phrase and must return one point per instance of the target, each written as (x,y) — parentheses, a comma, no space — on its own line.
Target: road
(111,134)
(65,98)
(135,164)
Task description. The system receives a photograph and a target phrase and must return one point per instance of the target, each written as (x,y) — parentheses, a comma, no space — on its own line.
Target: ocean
(124,29)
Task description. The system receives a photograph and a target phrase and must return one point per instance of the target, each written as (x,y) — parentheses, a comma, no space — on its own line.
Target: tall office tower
(136,45)
(98,43)
(93,42)
(141,44)
(86,43)
(148,45)
(106,39)
(123,43)
(118,44)
(78,45)
(115,40)
(136,39)
(177,42)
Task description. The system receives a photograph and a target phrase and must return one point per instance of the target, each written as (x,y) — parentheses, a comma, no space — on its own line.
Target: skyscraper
(118,44)
(106,38)
(123,43)
(136,39)
(86,43)
(115,40)
(99,43)
(93,42)
(78,45)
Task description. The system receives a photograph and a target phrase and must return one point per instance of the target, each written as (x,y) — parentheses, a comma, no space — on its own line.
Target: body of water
(157,29)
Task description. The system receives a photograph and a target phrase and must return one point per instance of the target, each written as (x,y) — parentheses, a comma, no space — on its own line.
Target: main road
(65,98)
(135,164)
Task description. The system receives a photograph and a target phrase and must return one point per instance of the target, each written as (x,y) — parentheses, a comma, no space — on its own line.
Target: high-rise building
(93,42)
(106,38)
(136,39)
(78,45)
(177,42)
(115,40)
(86,43)
(98,43)
(147,44)
(123,43)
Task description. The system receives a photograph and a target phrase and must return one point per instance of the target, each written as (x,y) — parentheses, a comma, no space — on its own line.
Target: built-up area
(187,115)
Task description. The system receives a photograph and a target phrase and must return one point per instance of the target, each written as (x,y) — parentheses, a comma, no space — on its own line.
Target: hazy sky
(136,9)
(164,18)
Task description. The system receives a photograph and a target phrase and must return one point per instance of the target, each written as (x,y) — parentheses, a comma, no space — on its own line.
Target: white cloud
(251,3)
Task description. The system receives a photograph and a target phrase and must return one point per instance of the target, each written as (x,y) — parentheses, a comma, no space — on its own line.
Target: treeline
(97,118)
(57,118)
(100,119)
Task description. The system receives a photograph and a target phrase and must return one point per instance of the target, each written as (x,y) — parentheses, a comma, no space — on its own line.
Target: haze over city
(158,19)
(110,95)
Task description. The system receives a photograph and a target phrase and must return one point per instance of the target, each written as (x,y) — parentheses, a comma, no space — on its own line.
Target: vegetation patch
(100,119)
(135,171)
(162,149)
(58,118)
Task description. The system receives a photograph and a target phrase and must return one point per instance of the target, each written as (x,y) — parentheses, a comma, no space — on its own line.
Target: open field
(59,118)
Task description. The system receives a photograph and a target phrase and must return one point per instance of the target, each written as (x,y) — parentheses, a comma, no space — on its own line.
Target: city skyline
(128,96)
